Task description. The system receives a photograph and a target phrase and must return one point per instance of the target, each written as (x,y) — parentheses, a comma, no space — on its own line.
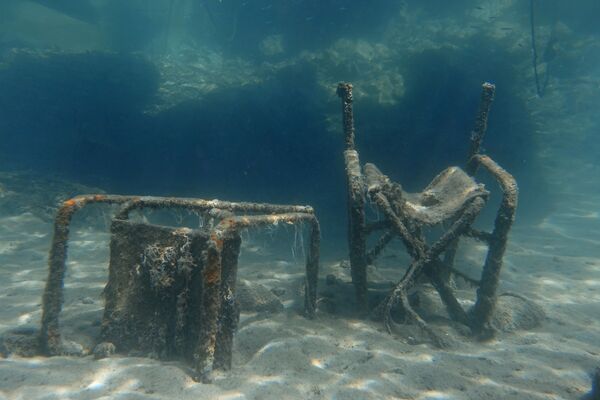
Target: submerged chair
(171,290)
(452,199)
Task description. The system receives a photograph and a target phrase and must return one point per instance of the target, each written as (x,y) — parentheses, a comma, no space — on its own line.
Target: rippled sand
(285,356)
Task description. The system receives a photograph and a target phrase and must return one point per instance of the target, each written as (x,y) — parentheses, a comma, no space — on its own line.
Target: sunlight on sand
(435,395)
(32,362)
(553,283)
(232,396)
(266,380)
(28,285)
(565,233)
(334,357)
(8,247)
(100,378)
(364,384)
(23,273)
(25,318)
(591,282)
(359,325)
(420,358)
(271,346)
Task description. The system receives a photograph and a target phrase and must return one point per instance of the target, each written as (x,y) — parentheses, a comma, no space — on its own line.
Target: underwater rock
(253,297)
(103,350)
(71,348)
(21,342)
(278,291)
(375,76)
(514,312)
(87,300)
(25,341)
(196,72)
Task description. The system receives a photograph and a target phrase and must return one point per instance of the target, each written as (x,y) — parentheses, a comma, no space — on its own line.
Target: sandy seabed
(556,263)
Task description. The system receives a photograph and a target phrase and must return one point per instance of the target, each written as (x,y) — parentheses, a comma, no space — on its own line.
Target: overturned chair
(453,199)
(171,291)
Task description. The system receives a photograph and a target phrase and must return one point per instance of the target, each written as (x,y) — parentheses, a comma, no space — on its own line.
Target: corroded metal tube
(490,277)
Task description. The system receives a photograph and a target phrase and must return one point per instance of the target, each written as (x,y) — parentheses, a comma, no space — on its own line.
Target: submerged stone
(514,312)
(253,297)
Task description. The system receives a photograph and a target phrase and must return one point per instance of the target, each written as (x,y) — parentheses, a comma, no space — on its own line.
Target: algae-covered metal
(453,199)
(171,291)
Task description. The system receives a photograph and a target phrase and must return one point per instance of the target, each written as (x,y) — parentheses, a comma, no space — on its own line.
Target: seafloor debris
(453,199)
(171,292)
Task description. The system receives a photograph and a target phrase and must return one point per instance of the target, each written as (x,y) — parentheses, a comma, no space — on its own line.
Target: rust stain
(211,275)
(217,240)
(228,223)
(212,271)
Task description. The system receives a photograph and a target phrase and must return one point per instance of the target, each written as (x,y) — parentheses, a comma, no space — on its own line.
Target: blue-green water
(235,100)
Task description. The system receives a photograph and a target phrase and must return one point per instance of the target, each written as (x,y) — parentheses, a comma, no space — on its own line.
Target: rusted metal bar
(471,211)
(486,294)
(138,202)
(53,295)
(477,135)
(389,198)
(465,277)
(230,225)
(49,337)
(458,227)
(414,248)
(594,394)
(356,202)
(455,310)
(482,236)
(376,226)
(481,121)
(229,315)
(312,269)
(204,353)
(344,91)
(423,258)
(379,246)
(50,340)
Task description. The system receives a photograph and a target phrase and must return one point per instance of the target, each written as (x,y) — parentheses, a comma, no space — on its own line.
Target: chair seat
(444,197)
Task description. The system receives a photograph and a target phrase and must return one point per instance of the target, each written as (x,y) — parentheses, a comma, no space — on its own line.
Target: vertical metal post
(356,202)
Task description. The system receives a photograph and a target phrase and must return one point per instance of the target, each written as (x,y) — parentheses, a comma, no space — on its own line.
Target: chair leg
(356,202)
(486,294)
(415,248)
(229,314)
(379,246)
(449,256)
(439,270)
(357,235)
(436,275)
(312,269)
(477,135)
(425,258)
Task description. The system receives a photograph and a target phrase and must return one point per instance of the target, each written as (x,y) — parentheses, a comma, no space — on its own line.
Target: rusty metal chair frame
(367,183)
(213,349)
